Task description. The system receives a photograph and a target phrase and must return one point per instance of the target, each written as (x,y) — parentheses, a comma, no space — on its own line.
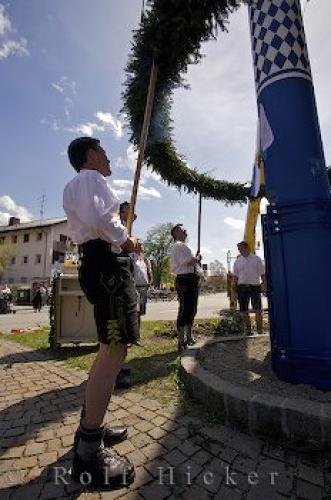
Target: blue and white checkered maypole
(297,227)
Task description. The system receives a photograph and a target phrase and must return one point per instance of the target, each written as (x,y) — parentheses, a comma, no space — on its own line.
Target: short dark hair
(78,148)
(242,244)
(174,229)
(124,205)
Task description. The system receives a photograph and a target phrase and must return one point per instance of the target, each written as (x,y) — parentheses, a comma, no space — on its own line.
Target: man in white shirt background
(142,277)
(184,266)
(249,272)
(106,277)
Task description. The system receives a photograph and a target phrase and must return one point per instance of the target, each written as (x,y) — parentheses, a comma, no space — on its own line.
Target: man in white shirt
(141,265)
(184,266)
(106,278)
(7,292)
(142,277)
(249,271)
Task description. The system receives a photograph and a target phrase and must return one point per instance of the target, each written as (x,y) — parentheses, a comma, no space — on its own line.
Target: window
(58,257)
(25,259)
(26,238)
(63,237)
(14,239)
(38,258)
(39,236)
(24,280)
(13,261)
(11,280)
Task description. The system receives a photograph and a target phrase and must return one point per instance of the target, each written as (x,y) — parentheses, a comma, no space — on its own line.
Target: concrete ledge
(256,412)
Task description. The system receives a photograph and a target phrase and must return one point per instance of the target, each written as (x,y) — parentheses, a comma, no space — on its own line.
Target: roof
(33,224)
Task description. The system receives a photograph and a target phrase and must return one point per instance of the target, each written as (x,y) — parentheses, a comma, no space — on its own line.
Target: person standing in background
(184,266)
(248,273)
(142,277)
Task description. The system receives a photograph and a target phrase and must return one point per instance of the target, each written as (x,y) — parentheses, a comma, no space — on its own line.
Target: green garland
(171,32)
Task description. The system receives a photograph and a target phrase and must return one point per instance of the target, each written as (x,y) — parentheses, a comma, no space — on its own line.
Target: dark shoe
(111,435)
(104,470)
(114,435)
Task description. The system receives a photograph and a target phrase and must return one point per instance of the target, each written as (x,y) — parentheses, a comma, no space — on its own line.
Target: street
(25,317)
(209,307)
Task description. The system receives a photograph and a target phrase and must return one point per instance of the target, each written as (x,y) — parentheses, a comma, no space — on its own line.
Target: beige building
(34,247)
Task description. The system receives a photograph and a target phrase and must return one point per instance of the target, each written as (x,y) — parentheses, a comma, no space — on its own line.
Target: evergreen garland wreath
(171,33)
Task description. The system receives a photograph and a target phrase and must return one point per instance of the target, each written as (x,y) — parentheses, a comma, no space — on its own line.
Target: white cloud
(55,126)
(13,47)
(123,188)
(107,119)
(148,192)
(86,129)
(5,24)
(67,88)
(4,218)
(130,161)
(57,87)
(122,183)
(9,45)
(13,210)
(206,251)
(234,223)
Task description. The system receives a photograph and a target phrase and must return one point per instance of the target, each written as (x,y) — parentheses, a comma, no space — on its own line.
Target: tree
(6,254)
(157,246)
(217,268)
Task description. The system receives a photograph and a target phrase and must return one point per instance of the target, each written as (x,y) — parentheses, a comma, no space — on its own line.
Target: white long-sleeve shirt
(93,210)
(141,268)
(180,255)
(249,269)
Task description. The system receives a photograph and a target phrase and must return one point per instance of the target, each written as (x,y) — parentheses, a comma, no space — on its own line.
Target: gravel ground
(248,362)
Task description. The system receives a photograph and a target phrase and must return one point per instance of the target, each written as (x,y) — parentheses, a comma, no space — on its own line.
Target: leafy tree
(6,254)
(217,268)
(157,246)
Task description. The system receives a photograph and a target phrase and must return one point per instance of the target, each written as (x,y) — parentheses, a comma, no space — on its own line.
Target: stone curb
(256,412)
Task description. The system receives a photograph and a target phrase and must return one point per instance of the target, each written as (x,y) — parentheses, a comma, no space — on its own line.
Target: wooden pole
(199,222)
(143,141)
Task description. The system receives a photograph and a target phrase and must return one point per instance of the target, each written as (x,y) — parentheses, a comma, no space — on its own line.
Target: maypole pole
(297,227)
(199,222)
(142,143)
(143,135)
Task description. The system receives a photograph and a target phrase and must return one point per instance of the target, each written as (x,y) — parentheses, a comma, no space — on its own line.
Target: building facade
(33,248)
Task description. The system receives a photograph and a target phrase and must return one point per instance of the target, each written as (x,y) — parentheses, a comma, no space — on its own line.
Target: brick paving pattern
(176,456)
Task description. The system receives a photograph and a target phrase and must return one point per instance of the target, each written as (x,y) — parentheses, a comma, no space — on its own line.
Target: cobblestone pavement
(176,456)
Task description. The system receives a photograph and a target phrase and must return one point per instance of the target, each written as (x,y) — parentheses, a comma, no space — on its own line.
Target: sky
(62,73)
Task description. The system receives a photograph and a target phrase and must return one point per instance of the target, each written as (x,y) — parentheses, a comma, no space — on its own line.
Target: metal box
(71,315)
